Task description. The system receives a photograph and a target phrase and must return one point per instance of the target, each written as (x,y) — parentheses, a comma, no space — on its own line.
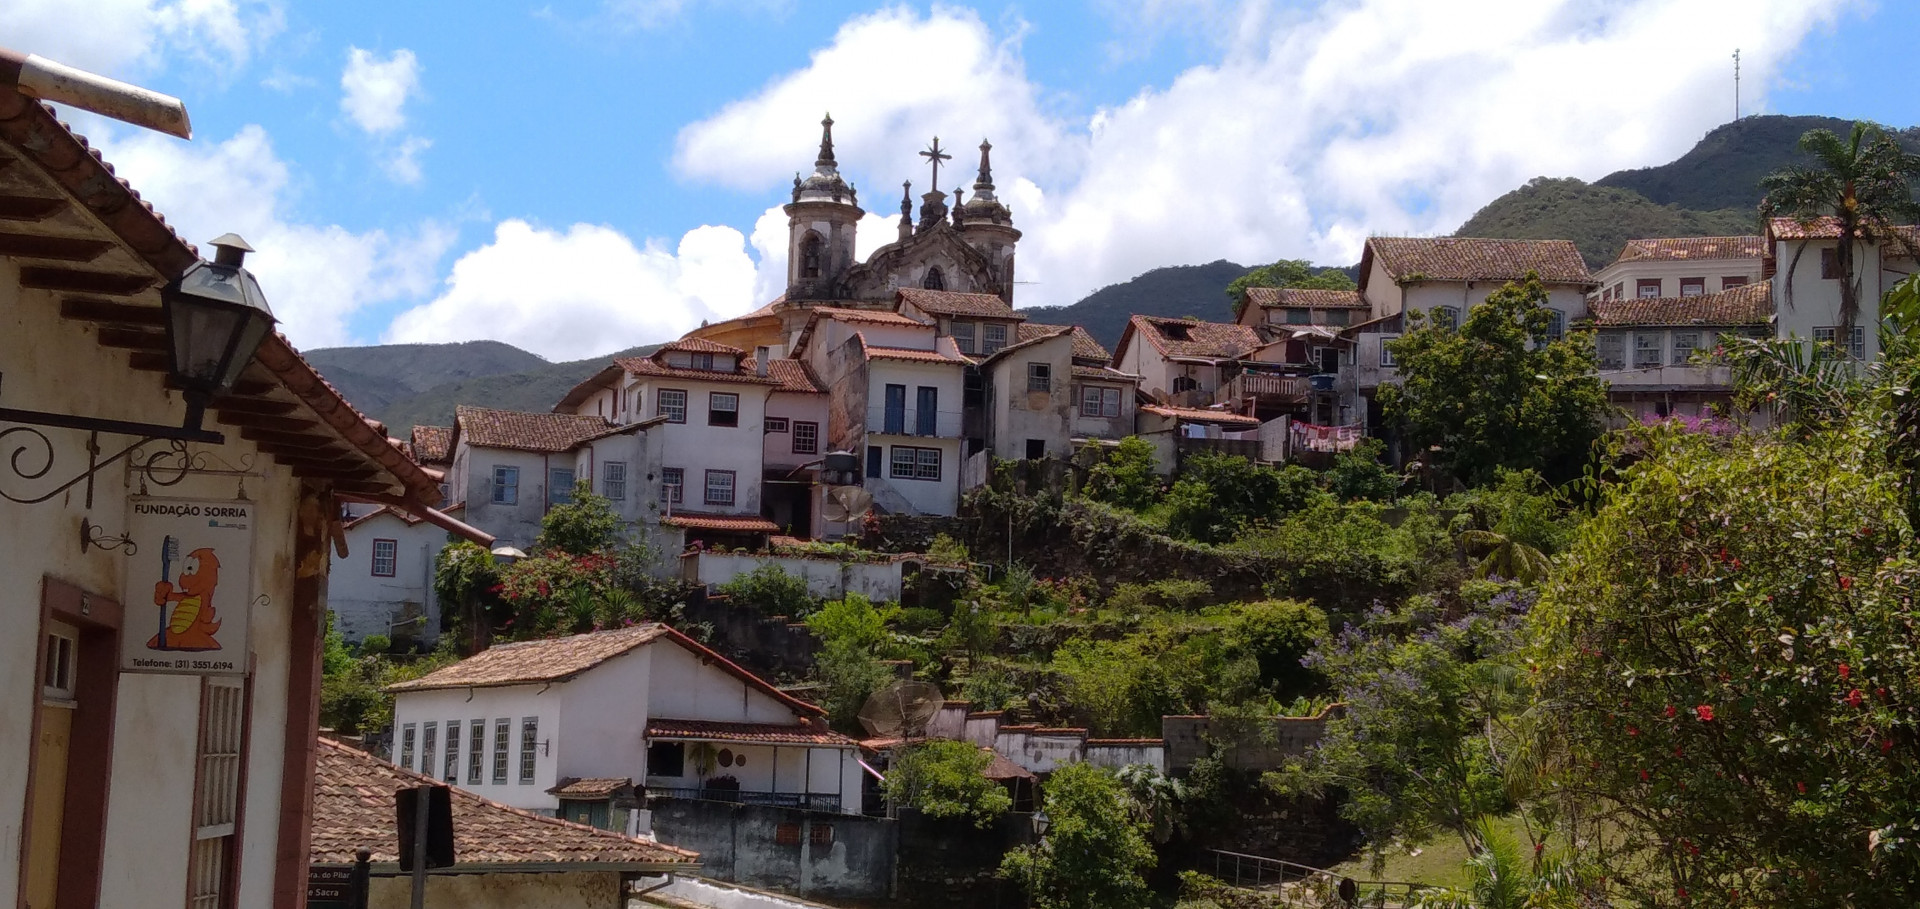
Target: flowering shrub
(1725,662)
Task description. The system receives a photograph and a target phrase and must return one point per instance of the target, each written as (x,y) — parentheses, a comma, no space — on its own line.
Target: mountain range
(1712,190)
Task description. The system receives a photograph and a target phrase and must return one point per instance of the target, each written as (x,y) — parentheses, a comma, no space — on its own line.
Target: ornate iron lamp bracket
(29,454)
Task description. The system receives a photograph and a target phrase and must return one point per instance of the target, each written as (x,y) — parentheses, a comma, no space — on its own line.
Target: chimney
(760,356)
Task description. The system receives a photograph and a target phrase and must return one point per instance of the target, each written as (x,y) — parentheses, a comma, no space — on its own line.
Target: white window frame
(1683,344)
(502,741)
(506,485)
(1643,285)
(57,675)
(964,339)
(1618,340)
(995,337)
(560,486)
(614,480)
(1698,287)
(1826,337)
(429,747)
(529,740)
(476,751)
(900,462)
(1386,353)
(672,403)
(1649,349)
(776,424)
(729,482)
(450,766)
(723,402)
(219,773)
(673,485)
(811,431)
(408,735)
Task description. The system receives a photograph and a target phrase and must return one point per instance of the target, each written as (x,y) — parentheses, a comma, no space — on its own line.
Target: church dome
(825,183)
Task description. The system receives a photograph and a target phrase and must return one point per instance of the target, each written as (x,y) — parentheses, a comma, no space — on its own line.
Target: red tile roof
(590,788)
(872,316)
(1826,228)
(730,523)
(906,354)
(1192,338)
(433,444)
(1475,259)
(1751,304)
(1194,415)
(764,733)
(1103,374)
(1693,249)
(950,303)
(400,513)
(1000,767)
(794,376)
(700,345)
(1270,297)
(353,809)
(1084,346)
(512,429)
(560,659)
(644,366)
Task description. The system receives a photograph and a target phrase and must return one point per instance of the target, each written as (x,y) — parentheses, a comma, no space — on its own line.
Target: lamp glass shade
(216,318)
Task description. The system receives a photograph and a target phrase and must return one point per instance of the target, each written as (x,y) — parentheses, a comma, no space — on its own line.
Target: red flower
(1846,583)
(1854,698)
(1886,745)
(1845,670)
(1644,776)
(1802,787)
(1736,564)
(1670,711)
(1680,892)
(1690,847)
(1633,730)
(1881,692)
(1704,712)
(1676,751)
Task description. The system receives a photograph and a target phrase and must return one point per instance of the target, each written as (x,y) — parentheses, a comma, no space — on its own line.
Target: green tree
(1726,667)
(773,591)
(1498,391)
(1360,474)
(1865,183)
(852,633)
(1128,477)
(1277,635)
(1095,854)
(947,779)
(1217,495)
(585,525)
(1286,273)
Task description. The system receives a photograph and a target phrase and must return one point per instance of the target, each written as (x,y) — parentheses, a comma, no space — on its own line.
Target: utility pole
(1736,83)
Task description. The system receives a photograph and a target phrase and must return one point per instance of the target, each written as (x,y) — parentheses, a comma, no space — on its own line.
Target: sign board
(329,888)
(189,586)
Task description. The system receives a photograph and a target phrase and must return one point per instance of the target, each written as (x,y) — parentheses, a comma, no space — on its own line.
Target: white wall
(696,447)
(827,578)
(517,524)
(364,604)
(939,497)
(1019,415)
(682,688)
(1629,274)
(513,703)
(776,449)
(1815,301)
(54,365)
(503,890)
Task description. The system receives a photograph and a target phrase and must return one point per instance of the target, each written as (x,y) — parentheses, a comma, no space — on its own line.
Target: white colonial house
(522,723)
(1646,349)
(1670,267)
(1803,263)
(509,468)
(895,392)
(1052,390)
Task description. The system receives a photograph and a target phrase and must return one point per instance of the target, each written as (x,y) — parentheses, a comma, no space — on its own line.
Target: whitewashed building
(1052,390)
(1674,267)
(645,703)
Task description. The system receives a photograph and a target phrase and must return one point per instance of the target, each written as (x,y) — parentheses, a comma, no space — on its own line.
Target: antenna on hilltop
(1736,83)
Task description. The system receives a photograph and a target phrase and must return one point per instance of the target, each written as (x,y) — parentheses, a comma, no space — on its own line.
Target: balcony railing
(1247,385)
(910,421)
(805,801)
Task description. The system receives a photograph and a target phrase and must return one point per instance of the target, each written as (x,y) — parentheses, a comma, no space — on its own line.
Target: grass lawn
(1441,862)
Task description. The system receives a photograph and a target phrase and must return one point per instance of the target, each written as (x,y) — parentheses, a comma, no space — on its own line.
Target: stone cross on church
(934,155)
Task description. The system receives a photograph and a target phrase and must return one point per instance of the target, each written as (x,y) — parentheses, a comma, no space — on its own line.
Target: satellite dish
(846,504)
(901,710)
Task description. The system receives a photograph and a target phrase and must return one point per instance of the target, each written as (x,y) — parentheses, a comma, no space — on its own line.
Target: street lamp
(1040,823)
(216,317)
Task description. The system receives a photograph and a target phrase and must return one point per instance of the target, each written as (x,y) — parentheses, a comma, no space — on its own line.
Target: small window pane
(719,487)
(450,768)
(806,438)
(963,336)
(429,742)
(529,740)
(928,467)
(901,465)
(723,409)
(996,339)
(559,486)
(614,480)
(1684,344)
(671,403)
(673,485)
(406,745)
(502,740)
(1646,349)
(1611,348)
(476,750)
(776,424)
(506,485)
(385,555)
(1040,377)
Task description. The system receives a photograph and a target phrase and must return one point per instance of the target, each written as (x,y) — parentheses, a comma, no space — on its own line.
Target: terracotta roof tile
(1084,346)
(1000,767)
(644,366)
(1270,297)
(906,354)
(700,345)
(528,662)
(1478,259)
(353,808)
(1195,415)
(512,429)
(400,513)
(870,316)
(722,522)
(1189,338)
(1693,249)
(1826,228)
(1751,304)
(794,376)
(591,788)
(768,733)
(433,444)
(559,659)
(950,303)
(1103,373)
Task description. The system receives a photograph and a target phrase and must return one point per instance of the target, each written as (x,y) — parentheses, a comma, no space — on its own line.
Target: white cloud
(404,166)
(584,291)
(316,276)
(125,37)
(374,92)
(1313,129)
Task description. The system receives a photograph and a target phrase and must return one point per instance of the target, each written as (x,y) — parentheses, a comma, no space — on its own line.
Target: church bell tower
(821,221)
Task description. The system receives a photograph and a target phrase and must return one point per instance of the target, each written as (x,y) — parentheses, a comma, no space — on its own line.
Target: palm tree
(1500,879)
(1864,183)
(1506,557)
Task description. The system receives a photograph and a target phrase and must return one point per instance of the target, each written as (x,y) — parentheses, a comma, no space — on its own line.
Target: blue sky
(575,178)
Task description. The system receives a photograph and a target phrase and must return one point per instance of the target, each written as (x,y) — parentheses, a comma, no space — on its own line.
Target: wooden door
(49,795)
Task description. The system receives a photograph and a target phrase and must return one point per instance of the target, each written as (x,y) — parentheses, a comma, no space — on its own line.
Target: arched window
(810,256)
(1184,383)
(934,280)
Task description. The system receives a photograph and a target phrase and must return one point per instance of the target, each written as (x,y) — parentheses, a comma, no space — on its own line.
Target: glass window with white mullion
(614,480)
(502,741)
(559,486)
(429,742)
(1610,349)
(450,767)
(529,741)
(1684,344)
(476,750)
(1648,352)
